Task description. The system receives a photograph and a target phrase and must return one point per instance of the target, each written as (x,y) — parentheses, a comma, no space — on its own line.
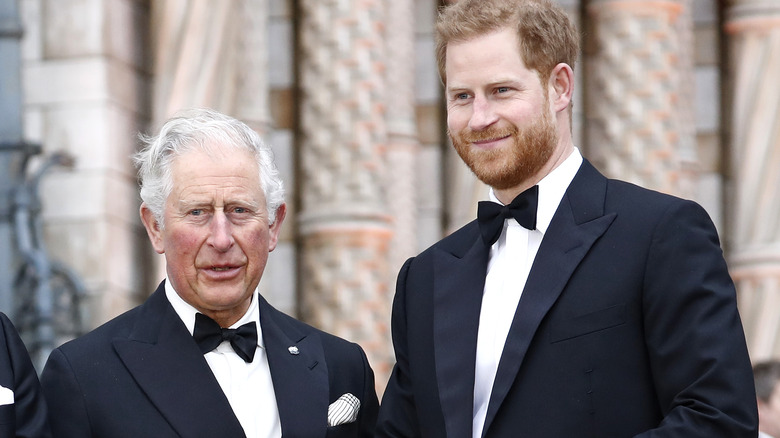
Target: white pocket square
(7,396)
(344,410)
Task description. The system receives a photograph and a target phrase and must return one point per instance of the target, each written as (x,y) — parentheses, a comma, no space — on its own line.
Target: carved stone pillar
(638,107)
(251,67)
(753,29)
(344,229)
(402,140)
(402,151)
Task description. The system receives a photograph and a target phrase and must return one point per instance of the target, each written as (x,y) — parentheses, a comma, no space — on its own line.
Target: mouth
(221,272)
(489,142)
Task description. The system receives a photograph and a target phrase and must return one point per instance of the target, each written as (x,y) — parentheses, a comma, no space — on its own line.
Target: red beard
(506,168)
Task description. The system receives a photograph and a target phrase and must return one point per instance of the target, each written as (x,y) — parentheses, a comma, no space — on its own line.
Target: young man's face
(498,111)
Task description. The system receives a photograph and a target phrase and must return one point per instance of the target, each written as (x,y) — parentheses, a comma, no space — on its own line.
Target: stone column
(402,153)
(85,78)
(402,141)
(753,29)
(344,227)
(638,68)
(250,68)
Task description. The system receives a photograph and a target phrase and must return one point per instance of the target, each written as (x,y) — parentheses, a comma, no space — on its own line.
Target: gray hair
(194,129)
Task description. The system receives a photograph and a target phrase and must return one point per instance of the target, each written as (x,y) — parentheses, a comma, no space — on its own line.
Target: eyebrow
(191,204)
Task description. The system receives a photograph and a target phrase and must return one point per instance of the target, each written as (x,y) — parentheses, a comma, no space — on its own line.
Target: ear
(561,87)
(152,229)
(276,227)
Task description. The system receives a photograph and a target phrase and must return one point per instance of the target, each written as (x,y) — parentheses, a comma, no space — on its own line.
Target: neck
(560,155)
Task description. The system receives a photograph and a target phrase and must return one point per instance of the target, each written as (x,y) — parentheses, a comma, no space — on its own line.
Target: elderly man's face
(216,237)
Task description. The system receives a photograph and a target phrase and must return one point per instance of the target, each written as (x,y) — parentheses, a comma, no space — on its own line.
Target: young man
(206,355)
(575,305)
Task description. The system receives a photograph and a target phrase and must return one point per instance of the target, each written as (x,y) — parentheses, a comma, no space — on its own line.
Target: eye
(196,212)
(502,90)
(461,96)
(240,210)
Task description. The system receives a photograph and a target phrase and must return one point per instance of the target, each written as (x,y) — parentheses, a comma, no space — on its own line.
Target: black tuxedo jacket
(627,326)
(27,416)
(142,375)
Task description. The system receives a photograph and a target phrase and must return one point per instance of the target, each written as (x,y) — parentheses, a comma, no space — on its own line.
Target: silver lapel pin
(293,350)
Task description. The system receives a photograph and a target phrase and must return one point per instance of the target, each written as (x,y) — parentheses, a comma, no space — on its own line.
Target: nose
(483,114)
(221,235)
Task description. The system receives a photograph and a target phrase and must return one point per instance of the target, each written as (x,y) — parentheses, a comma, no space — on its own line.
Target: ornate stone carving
(754,35)
(344,226)
(635,92)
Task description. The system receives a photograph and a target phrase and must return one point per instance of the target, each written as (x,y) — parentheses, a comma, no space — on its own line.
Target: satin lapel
(168,366)
(300,380)
(568,240)
(459,280)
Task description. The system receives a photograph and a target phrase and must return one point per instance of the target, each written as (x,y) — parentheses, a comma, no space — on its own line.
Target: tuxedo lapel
(167,364)
(299,373)
(459,283)
(577,224)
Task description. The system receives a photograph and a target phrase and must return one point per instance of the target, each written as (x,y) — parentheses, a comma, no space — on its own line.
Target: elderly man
(206,355)
(575,305)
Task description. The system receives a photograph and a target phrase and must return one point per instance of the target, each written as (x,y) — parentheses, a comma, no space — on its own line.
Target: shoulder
(626,192)
(6,326)
(328,339)
(9,336)
(590,189)
(457,242)
(101,337)
(142,322)
(643,205)
(335,348)
(4,322)
(13,353)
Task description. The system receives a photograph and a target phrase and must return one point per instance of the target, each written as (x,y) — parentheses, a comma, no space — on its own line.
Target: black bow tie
(491,215)
(208,335)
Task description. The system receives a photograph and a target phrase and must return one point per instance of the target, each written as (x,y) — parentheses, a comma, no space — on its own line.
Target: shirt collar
(552,188)
(187,313)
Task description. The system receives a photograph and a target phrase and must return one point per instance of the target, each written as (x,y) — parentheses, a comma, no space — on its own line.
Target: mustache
(491,133)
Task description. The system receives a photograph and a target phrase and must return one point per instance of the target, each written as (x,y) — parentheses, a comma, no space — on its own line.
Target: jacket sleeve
(397,413)
(369,402)
(694,336)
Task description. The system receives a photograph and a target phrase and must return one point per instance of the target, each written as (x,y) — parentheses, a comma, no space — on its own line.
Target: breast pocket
(588,323)
(342,430)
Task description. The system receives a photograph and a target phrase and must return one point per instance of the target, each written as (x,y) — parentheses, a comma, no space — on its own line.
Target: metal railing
(42,296)
(48,295)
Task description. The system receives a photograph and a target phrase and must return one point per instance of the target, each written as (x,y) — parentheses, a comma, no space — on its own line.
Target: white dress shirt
(247,386)
(511,258)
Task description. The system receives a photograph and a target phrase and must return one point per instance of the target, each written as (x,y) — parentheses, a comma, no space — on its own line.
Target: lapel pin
(293,350)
